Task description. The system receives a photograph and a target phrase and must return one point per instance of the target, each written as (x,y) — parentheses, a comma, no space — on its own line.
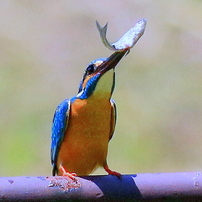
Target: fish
(127,41)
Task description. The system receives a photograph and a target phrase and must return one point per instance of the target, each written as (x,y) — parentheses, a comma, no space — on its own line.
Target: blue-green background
(44,48)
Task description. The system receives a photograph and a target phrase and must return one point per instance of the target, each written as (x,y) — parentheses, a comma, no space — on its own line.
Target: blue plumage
(60,121)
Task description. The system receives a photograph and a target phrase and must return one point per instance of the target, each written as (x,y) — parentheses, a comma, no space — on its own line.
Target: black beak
(112,61)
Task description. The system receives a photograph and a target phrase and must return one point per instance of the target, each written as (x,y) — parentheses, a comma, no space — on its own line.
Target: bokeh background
(44,49)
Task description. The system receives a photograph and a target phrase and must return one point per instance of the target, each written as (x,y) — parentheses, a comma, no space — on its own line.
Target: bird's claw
(64,182)
(111,172)
(67,174)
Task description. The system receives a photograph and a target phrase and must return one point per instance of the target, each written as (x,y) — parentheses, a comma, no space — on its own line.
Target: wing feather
(113,118)
(59,125)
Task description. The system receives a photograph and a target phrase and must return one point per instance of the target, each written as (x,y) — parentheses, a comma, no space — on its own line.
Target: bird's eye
(90,69)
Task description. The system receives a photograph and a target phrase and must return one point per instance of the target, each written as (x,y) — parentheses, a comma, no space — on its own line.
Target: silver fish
(128,40)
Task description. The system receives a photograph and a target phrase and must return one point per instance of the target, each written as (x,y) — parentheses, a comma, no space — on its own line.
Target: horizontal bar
(134,187)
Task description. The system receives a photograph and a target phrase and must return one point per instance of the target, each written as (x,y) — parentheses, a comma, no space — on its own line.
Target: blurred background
(44,49)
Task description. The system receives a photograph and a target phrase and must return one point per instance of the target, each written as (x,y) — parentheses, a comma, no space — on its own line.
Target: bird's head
(99,76)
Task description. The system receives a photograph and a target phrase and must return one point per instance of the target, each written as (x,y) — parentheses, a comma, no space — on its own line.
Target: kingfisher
(84,124)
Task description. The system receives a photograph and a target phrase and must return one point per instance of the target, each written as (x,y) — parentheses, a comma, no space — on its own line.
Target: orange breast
(86,139)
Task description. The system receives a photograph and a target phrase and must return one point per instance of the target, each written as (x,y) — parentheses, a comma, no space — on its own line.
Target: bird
(84,124)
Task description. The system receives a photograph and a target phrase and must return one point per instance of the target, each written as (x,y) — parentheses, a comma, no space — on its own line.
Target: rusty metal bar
(137,187)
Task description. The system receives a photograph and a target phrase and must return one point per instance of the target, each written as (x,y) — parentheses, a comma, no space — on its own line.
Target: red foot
(65,181)
(110,172)
(65,173)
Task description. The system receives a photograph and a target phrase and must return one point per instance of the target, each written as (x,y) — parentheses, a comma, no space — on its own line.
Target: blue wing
(60,122)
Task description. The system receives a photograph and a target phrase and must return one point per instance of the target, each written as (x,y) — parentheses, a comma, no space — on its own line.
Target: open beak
(111,61)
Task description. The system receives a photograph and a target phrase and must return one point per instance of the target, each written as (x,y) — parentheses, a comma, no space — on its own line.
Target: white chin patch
(105,82)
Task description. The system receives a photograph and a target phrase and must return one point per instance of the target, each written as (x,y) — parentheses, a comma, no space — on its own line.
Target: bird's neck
(99,87)
(105,85)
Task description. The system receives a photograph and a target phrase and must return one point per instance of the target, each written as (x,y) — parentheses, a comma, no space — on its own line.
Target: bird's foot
(111,172)
(63,182)
(72,176)
(66,181)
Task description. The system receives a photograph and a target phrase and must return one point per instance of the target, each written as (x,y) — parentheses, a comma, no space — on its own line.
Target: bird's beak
(111,61)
